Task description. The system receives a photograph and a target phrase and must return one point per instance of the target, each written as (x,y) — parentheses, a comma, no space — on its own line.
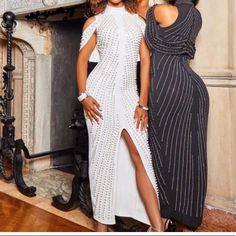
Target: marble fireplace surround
(37,67)
(29,63)
(27,6)
(35,42)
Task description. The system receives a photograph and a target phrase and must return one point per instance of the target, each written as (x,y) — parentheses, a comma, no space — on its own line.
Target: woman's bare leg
(146,190)
(101,227)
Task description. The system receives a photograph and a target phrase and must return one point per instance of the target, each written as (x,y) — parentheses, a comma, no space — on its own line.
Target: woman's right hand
(92,109)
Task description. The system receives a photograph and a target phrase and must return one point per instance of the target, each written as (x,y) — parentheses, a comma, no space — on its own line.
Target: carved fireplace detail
(27,6)
(28,91)
(35,45)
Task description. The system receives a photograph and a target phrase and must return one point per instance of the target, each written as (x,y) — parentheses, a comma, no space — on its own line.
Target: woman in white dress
(122,180)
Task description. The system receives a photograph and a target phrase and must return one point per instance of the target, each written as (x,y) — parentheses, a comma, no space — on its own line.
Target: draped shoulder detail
(87,34)
(176,39)
(90,30)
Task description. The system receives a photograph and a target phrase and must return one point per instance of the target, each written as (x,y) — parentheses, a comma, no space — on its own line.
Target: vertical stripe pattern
(179,105)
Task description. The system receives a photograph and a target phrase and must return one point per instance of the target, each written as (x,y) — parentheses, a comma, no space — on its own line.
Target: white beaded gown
(113,84)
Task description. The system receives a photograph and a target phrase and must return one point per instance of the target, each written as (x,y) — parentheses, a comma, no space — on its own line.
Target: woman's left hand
(141,118)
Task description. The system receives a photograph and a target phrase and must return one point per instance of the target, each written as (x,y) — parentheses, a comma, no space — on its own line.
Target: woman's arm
(145,73)
(90,105)
(141,115)
(83,58)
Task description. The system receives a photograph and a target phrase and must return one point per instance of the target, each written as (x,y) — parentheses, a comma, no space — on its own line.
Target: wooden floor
(19,216)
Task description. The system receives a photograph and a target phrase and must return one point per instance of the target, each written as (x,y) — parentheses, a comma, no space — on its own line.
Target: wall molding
(219,82)
(232,34)
(221,203)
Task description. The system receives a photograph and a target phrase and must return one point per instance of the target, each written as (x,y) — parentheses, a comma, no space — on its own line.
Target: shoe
(150,229)
(110,229)
(170,225)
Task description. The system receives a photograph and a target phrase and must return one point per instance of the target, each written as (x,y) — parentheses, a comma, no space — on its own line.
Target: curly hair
(98,6)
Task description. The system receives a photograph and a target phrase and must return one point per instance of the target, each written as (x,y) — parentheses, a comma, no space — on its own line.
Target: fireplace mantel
(26,6)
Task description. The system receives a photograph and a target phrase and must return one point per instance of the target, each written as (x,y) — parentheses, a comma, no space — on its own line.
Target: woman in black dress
(178,117)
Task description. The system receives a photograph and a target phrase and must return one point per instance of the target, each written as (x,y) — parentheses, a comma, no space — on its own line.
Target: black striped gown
(179,105)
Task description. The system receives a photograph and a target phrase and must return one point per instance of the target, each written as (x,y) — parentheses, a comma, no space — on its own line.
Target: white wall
(216,62)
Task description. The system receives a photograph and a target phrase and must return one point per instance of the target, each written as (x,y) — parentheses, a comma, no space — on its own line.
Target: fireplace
(46,44)
(44,49)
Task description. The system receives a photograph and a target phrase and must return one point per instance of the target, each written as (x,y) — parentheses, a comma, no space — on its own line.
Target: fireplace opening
(46,45)
(65,47)
(65,25)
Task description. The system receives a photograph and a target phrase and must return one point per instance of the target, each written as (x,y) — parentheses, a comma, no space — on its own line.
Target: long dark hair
(195,2)
(98,6)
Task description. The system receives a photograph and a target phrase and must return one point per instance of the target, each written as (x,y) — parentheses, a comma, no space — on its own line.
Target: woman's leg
(146,190)
(101,227)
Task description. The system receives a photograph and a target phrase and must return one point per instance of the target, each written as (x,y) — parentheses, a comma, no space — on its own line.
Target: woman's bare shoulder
(162,11)
(89,22)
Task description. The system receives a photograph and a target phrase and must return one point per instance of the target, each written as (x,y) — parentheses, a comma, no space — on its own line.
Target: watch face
(49,2)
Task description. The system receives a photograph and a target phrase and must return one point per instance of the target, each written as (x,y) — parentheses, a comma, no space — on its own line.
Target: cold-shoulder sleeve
(141,23)
(87,34)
